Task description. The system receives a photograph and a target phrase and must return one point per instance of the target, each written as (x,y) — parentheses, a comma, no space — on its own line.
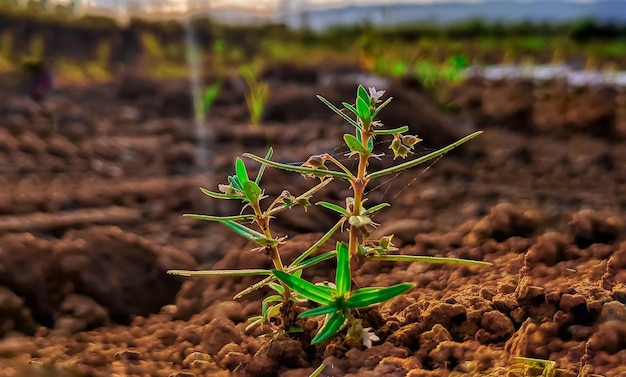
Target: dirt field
(95,181)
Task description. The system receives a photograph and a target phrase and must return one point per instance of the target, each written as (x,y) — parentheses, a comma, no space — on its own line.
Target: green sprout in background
(338,302)
(257,96)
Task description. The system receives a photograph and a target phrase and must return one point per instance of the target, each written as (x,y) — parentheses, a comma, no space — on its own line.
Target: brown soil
(95,181)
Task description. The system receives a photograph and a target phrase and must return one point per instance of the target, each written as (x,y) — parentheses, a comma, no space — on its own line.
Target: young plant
(210,95)
(241,187)
(338,302)
(257,96)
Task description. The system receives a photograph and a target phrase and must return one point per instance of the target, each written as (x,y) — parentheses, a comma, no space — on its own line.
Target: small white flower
(375,94)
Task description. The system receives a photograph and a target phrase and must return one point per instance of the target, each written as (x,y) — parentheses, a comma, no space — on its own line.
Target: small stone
(218,333)
(128,355)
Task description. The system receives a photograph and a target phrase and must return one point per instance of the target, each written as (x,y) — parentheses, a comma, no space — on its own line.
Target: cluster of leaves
(337,300)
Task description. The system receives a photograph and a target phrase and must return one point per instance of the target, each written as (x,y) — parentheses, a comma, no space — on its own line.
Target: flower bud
(410,140)
(315,162)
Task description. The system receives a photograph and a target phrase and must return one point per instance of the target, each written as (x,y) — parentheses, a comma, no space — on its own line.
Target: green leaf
(254,322)
(376,208)
(273,311)
(343,278)
(339,112)
(219,195)
(318,370)
(311,291)
(334,323)
(354,144)
(370,144)
(277,287)
(293,268)
(235,183)
(314,260)
(334,207)
(350,107)
(249,272)
(242,174)
(427,259)
(219,218)
(268,155)
(364,111)
(252,191)
(317,244)
(394,131)
(210,95)
(381,107)
(272,298)
(364,297)
(249,234)
(362,94)
(320,310)
(299,169)
(421,160)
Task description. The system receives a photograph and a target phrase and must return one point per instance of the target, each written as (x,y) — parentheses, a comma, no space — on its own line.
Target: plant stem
(358,187)
(263,221)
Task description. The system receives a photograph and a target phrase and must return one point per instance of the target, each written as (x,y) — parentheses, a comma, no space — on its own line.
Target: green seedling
(210,95)
(257,96)
(338,302)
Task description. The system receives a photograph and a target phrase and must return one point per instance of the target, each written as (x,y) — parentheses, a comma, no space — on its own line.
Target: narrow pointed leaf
(314,260)
(399,130)
(421,160)
(317,244)
(333,324)
(364,297)
(219,195)
(320,310)
(350,107)
(337,111)
(334,207)
(240,169)
(272,298)
(427,259)
(249,234)
(309,290)
(299,169)
(277,287)
(343,278)
(318,370)
(219,218)
(249,272)
(291,269)
(354,144)
(252,191)
(268,155)
(381,106)
(370,144)
(376,208)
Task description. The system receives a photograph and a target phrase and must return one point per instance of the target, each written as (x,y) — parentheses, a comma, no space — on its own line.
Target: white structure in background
(320,14)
